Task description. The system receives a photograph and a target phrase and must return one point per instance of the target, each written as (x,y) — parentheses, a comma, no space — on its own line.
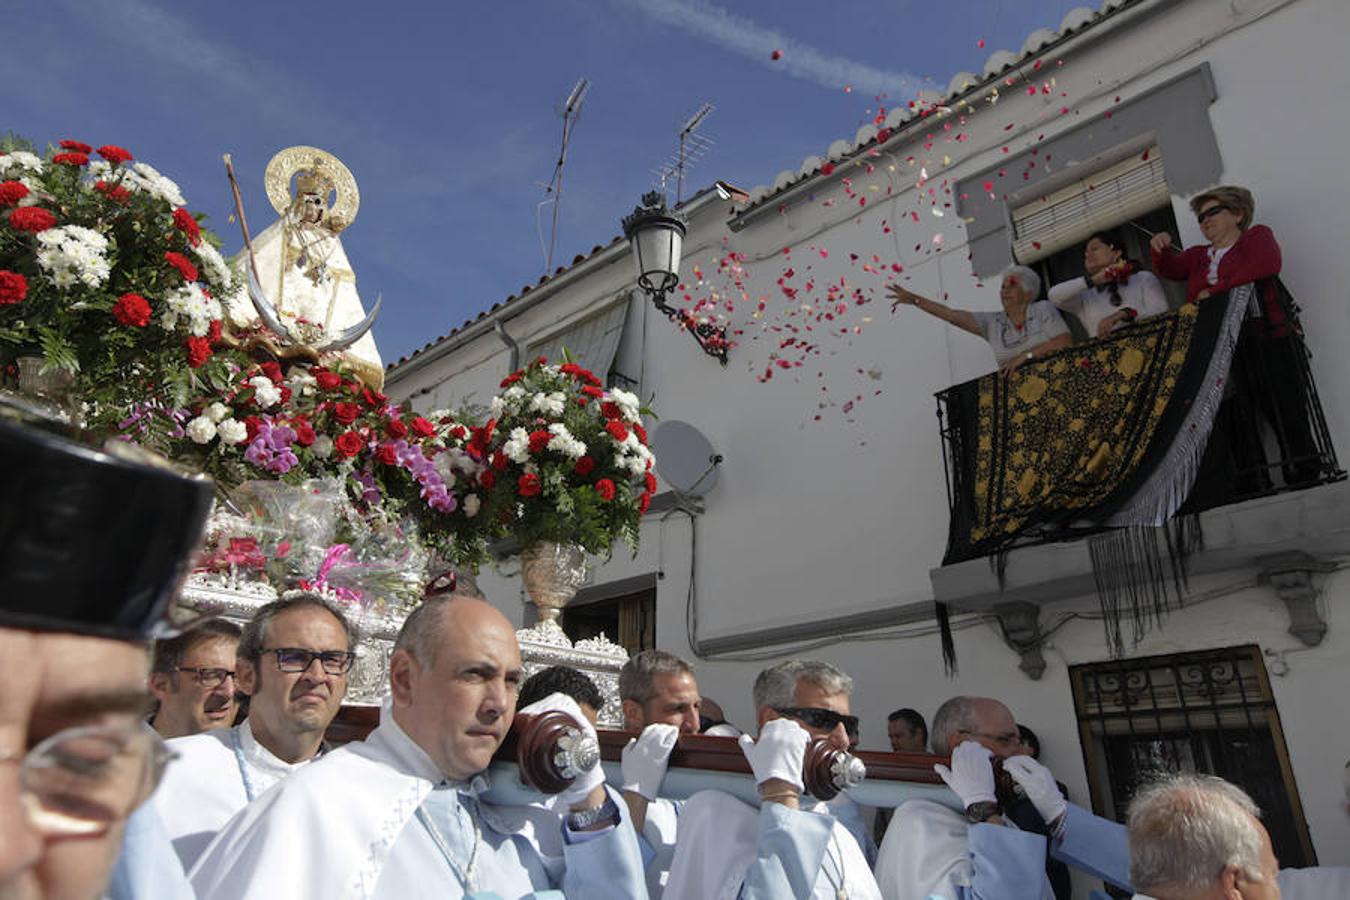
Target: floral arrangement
(565,459)
(107,275)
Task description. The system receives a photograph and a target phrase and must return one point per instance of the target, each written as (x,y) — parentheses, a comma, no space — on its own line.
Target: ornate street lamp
(656,235)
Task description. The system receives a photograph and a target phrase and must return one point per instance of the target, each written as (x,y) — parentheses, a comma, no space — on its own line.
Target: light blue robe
(148,868)
(1094,845)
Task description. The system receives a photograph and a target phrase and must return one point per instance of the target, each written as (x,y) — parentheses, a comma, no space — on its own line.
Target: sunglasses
(823,719)
(1210,213)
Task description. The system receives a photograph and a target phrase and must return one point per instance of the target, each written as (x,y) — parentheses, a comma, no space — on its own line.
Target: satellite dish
(684,458)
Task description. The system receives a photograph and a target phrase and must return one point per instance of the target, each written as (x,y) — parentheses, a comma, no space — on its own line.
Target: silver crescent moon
(344,339)
(266,311)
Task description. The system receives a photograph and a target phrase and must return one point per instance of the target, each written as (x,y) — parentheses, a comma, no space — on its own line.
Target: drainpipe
(510,343)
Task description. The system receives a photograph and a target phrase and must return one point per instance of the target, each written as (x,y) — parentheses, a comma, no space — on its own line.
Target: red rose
(539,440)
(617,430)
(76,146)
(328,381)
(13,287)
(213,331)
(591,390)
(605,488)
(272,370)
(640,432)
(183,221)
(198,351)
(349,443)
(114,192)
(12,192)
(386,454)
(423,427)
(304,433)
(488,479)
(182,264)
(610,410)
(396,428)
(31,218)
(71,159)
(374,399)
(584,466)
(643,503)
(528,485)
(251,426)
(346,413)
(132,309)
(499,461)
(114,154)
(650,481)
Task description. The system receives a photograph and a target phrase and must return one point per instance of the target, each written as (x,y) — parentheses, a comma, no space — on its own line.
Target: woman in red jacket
(1269,368)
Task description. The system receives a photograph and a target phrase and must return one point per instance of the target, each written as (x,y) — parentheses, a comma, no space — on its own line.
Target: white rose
(323,446)
(471,504)
(232,431)
(218,412)
(202,430)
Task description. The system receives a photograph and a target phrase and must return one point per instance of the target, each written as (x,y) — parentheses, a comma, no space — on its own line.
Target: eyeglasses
(1210,213)
(84,780)
(818,717)
(297,659)
(208,677)
(1010,739)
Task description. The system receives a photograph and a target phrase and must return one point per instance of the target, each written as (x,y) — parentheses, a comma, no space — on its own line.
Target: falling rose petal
(1036,245)
(980,43)
(827,169)
(776,55)
(937,240)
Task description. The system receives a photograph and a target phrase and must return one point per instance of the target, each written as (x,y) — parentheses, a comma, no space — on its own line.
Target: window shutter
(591,343)
(1104,199)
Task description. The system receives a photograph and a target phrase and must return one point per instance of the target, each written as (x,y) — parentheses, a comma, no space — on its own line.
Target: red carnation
(182,264)
(617,430)
(374,399)
(500,462)
(285,393)
(640,432)
(13,287)
(511,379)
(584,466)
(348,443)
(114,192)
(650,481)
(133,309)
(591,390)
(539,440)
(31,218)
(423,427)
(386,454)
(251,426)
(183,221)
(528,485)
(304,432)
(488,479)
(114,154)
(610,410)
(396,429)
(605,488)
(213,331)
(71,159)
(346,413)
(328,381)
(12,192)
(198,351)
(77,146)
(643,503)
(272,370)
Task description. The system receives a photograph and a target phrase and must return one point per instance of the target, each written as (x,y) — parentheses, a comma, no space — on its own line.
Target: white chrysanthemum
(218,412)
(564,442)
(202,430)
(517,447)
(214,263)
(191,302)
(551,404)
(471,505)
(73,254)
(323,446)
(628,404)
(145,177)
(635,464)
(20,159)
(497,407)
(232,431)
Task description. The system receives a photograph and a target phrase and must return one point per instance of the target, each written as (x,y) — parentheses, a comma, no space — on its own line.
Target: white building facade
(824,538)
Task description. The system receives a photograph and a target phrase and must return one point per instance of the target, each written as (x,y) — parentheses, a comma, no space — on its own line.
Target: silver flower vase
(553,573)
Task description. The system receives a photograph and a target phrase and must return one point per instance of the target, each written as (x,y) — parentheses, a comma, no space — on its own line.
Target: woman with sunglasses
(1024,330)
(1113,293)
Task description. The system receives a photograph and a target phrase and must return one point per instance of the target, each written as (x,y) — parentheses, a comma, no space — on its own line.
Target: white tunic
(1143,293)
(205,785)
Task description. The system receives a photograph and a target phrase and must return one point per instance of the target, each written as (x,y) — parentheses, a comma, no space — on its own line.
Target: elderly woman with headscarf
(1024,330)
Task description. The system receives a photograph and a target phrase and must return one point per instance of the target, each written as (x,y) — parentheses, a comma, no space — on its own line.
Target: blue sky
(447,112)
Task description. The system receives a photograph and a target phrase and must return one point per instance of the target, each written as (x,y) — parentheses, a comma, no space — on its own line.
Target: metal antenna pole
(571,112)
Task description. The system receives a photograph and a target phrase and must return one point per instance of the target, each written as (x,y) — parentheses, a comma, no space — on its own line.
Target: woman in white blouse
(1113,293)
(1026,329)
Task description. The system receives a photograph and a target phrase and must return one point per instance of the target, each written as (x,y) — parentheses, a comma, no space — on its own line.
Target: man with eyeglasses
(93,544)
(930,849)
(293,660)
(192,678)
(795,845)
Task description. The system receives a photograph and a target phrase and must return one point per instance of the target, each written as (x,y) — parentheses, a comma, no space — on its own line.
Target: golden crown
(314,181)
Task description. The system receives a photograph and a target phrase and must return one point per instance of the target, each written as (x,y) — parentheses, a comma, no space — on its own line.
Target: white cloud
(743,36)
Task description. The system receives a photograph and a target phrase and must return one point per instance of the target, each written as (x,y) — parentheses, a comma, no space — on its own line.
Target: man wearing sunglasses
(192,678)
(92,547)
(293,660)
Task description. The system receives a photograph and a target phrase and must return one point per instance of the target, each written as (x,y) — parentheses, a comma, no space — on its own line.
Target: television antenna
(570,112)
(693,147)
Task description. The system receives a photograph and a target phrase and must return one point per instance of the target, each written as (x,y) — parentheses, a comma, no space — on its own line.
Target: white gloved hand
(592,778)
(1038,783)
(971,776)
(646,757)
(778,753)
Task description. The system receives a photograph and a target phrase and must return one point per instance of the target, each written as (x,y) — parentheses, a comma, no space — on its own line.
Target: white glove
(1038,783)
(646,757)
(971,776)
(590,779)
(778,753)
